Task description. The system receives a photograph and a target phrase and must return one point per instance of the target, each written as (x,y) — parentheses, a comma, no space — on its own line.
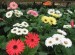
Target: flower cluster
(57,39)
(17,13)
(55,13)
(20,29)
(50,20)
(15,47)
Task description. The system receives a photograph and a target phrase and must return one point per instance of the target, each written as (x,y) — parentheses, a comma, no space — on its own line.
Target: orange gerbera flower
(47,3)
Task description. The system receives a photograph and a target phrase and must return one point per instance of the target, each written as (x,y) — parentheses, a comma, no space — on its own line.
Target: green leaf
(2,38)
(29,51)
(6,29)
(2,23)
(10,36)
(42,53)
(3,45)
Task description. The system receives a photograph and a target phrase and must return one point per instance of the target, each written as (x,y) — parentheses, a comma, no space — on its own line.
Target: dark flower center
(50,41)
(13,4)
(57,39)
(65,42)
(15,47)
(45,20)
(32,40)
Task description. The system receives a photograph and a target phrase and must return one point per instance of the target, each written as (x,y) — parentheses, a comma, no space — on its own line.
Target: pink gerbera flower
(32,40)
(15,47)
(13,5)
(32,12)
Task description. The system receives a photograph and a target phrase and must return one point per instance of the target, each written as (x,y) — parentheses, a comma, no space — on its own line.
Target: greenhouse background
(37,27)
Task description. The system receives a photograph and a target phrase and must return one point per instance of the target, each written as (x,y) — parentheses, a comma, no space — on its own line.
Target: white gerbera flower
(24,31)
(51,11)
(57,38)
(58,12)
(24,24)
(49,42)
(9,14)
(69,11)
(14,30)
(17,24)
(61,31)
(19,31)
(18,13)
(66,42)
(67,26)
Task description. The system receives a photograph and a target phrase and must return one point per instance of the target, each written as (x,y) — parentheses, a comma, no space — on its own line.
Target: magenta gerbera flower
(32,40)
(15,47)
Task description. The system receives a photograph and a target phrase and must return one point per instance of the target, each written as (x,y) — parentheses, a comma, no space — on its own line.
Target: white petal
(61,31)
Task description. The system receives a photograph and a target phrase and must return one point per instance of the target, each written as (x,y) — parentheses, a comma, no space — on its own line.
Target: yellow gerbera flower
(52,21)
(45,19)
(55,15)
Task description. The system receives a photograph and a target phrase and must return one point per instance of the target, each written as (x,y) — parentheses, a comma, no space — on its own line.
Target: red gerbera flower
(15,47)
(32,40)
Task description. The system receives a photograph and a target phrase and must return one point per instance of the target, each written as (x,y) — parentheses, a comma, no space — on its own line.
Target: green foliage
(29,51)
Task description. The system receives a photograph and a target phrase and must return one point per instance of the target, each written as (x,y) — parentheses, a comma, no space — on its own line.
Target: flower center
(15,47)
(19,31)
(14,29)
(57,39)
(51,12)
(45,20)
(32,40)
(13,4)
(50,41)
(65,42)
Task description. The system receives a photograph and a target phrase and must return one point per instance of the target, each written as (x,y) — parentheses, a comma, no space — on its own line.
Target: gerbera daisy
(49,42)
(67,26)
(52,21)
(59,13)
(32,12)
(15,47)
(55,15)
(17,25)
(66,42)
(45,19)
(19,31)
(51,11)
(13,5)
(57,38)
(25,24)
(61,32)
(14,30)
(24,31)
(18,13)
(32,40)
(9,14)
